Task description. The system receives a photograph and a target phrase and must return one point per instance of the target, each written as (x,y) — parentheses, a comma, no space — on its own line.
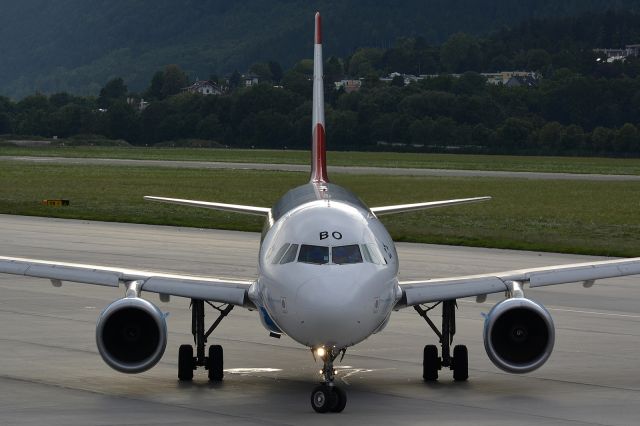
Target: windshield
(313,254)
(346,254)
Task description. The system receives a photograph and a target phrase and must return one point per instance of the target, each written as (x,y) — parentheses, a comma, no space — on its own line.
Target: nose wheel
(327,397)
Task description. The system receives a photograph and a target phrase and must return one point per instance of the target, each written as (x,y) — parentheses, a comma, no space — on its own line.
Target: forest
(76,46)
(580,104)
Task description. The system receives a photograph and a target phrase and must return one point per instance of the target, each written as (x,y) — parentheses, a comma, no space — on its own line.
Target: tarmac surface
(51,373)
(398,171)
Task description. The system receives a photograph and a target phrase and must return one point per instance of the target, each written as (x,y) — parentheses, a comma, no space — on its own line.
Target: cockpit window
(342,255)
(280,253)
(373,255)
(313,254)
(290,255)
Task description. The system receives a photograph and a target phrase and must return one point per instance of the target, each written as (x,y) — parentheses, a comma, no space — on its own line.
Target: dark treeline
(579,106)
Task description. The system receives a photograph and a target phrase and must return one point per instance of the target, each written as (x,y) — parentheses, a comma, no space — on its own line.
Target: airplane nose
(333,310)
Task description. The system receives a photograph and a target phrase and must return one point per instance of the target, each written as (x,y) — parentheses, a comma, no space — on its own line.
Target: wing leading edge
(221,290)
(236,208)
(435,290)
(400,208)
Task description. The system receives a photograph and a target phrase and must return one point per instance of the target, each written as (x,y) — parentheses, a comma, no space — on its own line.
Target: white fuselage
(327,272)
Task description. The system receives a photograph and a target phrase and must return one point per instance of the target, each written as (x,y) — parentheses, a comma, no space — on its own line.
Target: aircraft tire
(341,402)
(215,363)
(460,363)
(430,363)
(323,399)
(185,363)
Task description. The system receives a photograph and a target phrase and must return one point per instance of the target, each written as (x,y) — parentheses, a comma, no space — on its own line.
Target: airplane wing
(234,292)
(236,208)
(435,290)
(423,206)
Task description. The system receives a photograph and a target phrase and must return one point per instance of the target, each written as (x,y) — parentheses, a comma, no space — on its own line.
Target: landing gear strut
(187,363)
(459,362)
(327,396)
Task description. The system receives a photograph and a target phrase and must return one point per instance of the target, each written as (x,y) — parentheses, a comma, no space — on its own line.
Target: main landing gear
(327,397)
(187,363)
(459,362)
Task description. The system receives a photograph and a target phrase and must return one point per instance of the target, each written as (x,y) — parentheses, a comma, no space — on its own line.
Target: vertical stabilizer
(318,150)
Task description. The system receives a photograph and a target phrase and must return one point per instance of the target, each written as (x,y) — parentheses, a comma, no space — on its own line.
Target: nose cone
(333,310)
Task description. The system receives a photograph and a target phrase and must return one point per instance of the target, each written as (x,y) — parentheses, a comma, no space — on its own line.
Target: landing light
(320,352)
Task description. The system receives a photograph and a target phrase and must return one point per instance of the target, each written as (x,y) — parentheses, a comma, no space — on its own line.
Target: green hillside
(78,45)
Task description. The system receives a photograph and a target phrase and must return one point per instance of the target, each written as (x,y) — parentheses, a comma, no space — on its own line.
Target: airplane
(328,279)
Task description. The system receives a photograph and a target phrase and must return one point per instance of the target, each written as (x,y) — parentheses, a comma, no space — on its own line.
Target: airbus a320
(328,279)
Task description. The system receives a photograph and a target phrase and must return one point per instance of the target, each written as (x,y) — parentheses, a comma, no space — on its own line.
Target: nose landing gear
(327,397)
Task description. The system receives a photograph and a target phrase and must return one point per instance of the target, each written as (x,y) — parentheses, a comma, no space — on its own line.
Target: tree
(420,131)
(122,121)
(573,138)
(234,80)
(469,83)
(364,62)
(514,133)
(155,89)
(5,123)
(333,71)
(627,139)
(262,70)
(276,71)
(174,80)
(70,120)
(550,136)
(114,90)
(299,83)
(210,128)
(602,139)
(538,59)
(460,53)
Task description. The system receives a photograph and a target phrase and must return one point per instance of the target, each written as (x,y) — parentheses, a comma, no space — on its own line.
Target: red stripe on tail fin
(319,150)
(318,28)
(319,153)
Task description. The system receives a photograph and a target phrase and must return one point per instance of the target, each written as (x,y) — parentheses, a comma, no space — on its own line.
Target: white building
(348,85)
(203,87)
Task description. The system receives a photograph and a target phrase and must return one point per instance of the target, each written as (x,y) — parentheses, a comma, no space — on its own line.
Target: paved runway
(51,373)
(332,169)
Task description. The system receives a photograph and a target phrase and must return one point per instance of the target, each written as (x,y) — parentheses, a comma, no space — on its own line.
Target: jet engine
(518,335)
(131,335)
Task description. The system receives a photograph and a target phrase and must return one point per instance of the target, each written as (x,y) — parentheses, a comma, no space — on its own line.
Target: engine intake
(131,335)
(519,335)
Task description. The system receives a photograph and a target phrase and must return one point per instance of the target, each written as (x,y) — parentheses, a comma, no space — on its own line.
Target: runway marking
(247,371)
(350,371)
(594,313)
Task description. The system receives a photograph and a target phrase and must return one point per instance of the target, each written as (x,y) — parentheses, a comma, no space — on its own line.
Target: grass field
(379,159)
(586,217)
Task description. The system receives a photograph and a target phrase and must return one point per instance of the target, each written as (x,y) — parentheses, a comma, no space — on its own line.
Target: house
(407,78)
(139,103)
(348,85)
(515,77)
(612,55)
(250,80)
(507,78)
(521,81)
(203,87)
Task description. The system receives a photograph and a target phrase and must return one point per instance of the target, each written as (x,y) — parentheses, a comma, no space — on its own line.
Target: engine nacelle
(519,335)
(131,335)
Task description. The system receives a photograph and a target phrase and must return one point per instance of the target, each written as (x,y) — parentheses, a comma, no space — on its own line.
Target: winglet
(319,149)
